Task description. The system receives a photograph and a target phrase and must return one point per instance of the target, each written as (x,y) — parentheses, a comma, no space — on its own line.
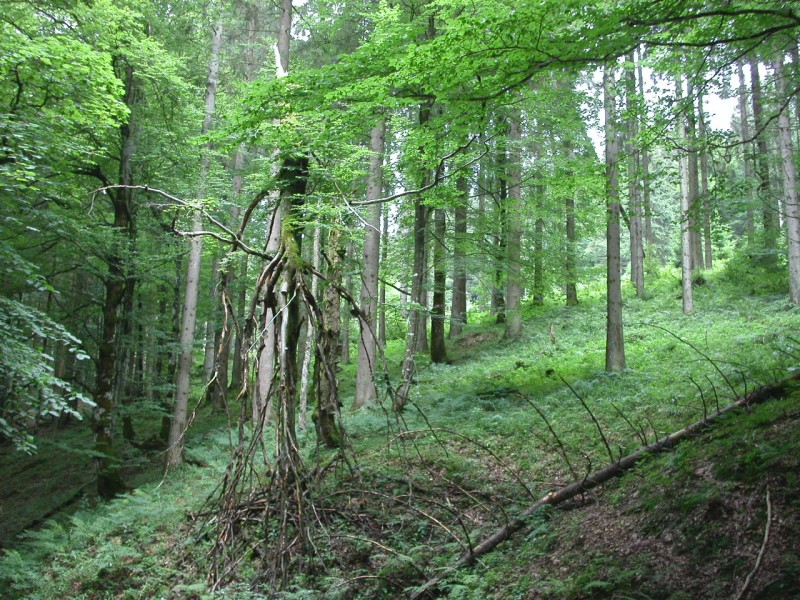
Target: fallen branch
(599,477)
(760,556)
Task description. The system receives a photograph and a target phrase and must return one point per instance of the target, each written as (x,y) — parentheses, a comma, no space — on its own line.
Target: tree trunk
(615,348)
(515,221)
(792,214)
(708,257)
(570,267)
(634,194)
(694,215)
(686,206)
(384,258)
(500,240)
(649,236)
(438,346)
(366,392)
(418,301)
(109,481)
(747,153)
(458,307)
(344,327)
(210,325)
(261,404)
(175,444)
(327,409)
(769,215)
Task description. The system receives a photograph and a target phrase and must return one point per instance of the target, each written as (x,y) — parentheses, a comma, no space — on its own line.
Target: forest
(399,299)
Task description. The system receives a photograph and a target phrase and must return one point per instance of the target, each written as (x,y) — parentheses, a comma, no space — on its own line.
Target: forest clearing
(426,299)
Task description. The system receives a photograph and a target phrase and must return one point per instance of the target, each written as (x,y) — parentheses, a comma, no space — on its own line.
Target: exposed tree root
(599,477)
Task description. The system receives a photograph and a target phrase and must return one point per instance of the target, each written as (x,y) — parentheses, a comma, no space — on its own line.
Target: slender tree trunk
(515,220)
(570,261)
(500,239)
(704,190)
(747,153)
(769,213)
(344,326)
(174,353)
(366,391)
(791,211)
(267,361)
(237,369)
(615,348)
(421,335)
(649,236)
(634,194)
(384,258)
(210,325)
(694,214)
(175,444)
(686,206)
(438,346)
(458,307)
(311,342)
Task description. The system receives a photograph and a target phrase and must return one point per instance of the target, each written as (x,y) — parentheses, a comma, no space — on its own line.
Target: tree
(615,347)
(458,305)
(515,221)
(634,178)
(175,444)
(365,381)
(686,205)
(789,169)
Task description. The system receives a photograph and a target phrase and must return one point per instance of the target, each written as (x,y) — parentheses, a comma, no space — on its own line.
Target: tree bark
(694,215)
(634,193)
(384,258)
(175,444)
(769,214)
(570,261)
(261,405)
(438,346)
(747,153)
(500,232)
(366,391)
(458,306)
(615,347)
(109,480)
(515,221)
(649,236)
(791,212)
(344,315)
(327,408)
(686,206)
(708,255)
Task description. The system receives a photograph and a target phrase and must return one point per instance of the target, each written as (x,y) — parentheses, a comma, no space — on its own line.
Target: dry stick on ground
(760,556)
(601,476)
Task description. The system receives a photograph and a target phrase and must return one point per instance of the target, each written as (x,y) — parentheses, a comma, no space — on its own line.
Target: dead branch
(601,476)
(760,556)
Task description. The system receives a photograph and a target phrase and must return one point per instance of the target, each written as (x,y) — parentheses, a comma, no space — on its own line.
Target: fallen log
(778,389)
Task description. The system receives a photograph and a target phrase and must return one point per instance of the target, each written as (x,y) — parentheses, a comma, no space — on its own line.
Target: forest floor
(503,424)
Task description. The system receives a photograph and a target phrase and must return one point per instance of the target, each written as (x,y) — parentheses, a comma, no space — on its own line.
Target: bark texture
(615,348)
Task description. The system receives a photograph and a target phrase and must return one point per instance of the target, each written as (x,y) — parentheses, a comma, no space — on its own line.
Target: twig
(591,414)
(760,556)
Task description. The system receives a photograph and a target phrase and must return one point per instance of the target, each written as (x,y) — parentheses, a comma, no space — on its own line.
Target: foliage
(29,388)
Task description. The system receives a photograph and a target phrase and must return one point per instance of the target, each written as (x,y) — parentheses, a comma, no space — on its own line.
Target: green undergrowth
(502,424)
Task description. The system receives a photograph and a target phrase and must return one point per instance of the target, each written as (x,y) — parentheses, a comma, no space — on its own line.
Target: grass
(473,448)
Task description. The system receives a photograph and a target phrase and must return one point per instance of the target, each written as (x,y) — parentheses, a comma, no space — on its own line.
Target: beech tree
(175,442)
